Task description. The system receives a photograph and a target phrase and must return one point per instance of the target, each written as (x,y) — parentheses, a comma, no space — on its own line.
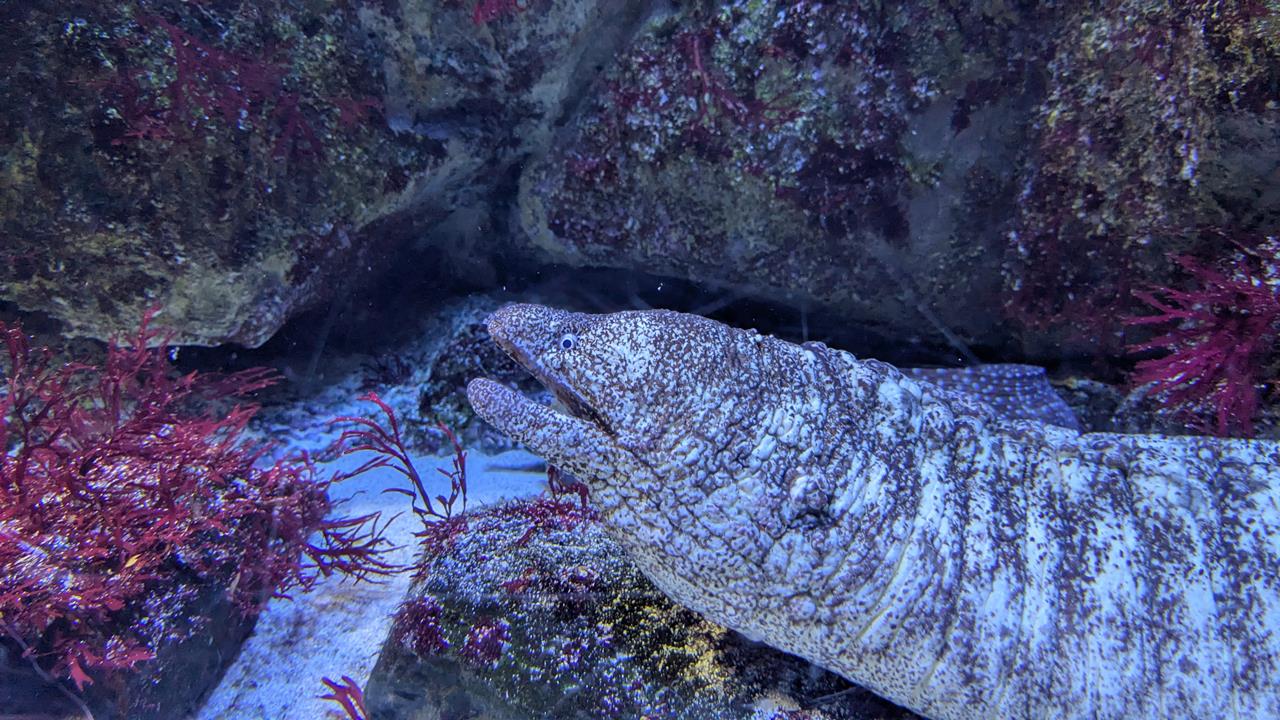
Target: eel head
(628,382)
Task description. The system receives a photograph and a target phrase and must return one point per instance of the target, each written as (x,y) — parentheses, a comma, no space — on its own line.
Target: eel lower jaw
(559,437)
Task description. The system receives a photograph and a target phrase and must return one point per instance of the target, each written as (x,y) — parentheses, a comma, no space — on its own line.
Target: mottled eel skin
(905,537)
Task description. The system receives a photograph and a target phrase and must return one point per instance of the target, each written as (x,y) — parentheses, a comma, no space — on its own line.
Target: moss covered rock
(218,161)
(529,610)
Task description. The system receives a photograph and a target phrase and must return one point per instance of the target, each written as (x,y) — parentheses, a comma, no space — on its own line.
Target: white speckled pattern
(958,564)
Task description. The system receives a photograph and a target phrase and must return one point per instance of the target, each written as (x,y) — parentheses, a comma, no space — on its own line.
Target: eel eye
(567,342)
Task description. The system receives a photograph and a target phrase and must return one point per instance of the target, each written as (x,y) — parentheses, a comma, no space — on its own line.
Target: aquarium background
(341,192)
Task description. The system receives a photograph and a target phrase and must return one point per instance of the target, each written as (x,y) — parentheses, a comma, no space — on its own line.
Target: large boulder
(219,164)
(923,165)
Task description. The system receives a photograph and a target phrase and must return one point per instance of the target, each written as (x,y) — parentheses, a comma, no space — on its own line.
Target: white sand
(338,627)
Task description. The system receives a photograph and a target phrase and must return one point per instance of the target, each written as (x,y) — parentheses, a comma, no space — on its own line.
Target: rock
(202,630)
(234,164)
(913,166)
(1148,137)
(528,610)
(222,164)
(467,353)
(806,152)
(916,169)
(1103,407)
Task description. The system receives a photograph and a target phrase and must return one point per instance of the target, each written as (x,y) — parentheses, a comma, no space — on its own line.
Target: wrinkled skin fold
(961,565)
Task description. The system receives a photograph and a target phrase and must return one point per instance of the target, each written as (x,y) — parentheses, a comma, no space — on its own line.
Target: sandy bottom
(338,627)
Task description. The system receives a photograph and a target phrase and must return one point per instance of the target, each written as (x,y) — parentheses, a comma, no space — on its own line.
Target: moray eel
(907,537)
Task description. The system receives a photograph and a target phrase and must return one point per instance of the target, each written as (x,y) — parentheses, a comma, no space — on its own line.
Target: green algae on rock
(234,163)
(1158,120)
(794,150)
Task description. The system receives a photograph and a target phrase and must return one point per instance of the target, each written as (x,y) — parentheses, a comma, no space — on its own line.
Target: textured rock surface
(468,353)
(1159,120)
(486,83)
(219,161)
(235,163)
(986,160)
(530,611)
(905,537)
(797,151)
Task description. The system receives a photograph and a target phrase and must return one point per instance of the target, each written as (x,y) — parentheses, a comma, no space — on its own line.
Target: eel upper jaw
(570,398)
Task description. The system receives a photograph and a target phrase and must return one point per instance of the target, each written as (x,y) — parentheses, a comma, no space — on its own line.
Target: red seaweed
(1220,337)
(121,481)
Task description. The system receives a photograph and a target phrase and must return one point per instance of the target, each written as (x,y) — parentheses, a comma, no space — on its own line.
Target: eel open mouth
(513,328)
(577,437)
(572,401)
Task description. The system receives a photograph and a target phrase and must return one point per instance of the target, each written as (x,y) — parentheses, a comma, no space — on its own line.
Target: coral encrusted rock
(529,611)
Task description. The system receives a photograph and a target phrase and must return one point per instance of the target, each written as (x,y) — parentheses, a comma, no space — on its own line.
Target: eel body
(904,536)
